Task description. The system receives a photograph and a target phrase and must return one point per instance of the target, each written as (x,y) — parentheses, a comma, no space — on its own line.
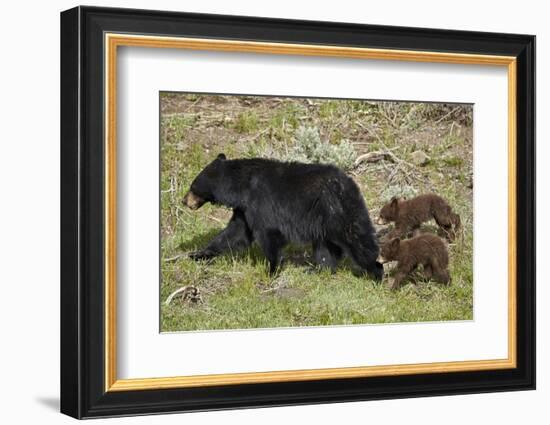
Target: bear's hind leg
(456,225)
(272,242)
(400,230)
(428,272)
(440,274)
(445,220)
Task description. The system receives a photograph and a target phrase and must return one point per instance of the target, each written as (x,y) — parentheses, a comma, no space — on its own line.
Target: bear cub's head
(204,187)
(389,212)
(389,251)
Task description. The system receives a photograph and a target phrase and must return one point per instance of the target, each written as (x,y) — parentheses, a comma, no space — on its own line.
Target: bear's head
(389,251)
(206,185)
(389,212)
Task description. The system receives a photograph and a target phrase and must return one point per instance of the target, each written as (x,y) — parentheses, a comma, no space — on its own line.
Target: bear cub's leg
(448,221)
(440,274)
(428,272)
(401,229)
(235,237)
(403,271)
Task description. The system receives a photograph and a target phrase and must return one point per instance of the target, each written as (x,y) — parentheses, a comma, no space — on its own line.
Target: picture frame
(90,39)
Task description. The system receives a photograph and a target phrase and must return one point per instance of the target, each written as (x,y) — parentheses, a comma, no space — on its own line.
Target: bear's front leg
(326,254)
(203,254)
(416,231)
(400,230)
(402,272)
(235,237)
(272,242)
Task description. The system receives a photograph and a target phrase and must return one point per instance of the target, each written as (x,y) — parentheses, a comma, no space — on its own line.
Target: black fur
(275,203)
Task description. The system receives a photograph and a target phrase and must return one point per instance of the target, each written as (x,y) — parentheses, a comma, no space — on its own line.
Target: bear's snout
(381,259)
(381,221)
(193,201)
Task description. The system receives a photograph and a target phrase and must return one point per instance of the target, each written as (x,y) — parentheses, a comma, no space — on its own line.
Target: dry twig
(174,258)
(375,157)
(187,293)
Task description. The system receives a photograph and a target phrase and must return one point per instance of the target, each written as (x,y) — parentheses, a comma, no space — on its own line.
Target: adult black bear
(275,203)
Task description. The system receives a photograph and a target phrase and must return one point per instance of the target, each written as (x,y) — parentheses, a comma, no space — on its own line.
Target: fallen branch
(175,258)
(447,115)
(172,188)
(375,157)
(190,293)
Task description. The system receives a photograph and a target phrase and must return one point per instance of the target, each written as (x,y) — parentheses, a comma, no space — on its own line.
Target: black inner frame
(82,212)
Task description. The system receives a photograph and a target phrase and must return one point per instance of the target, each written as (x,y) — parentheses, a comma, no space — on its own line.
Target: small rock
(420,158)
(290,292)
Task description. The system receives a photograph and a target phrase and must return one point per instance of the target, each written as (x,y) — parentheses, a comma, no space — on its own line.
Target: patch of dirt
(279,287)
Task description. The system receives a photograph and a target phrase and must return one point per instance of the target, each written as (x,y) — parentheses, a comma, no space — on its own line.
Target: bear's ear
(221,156)
(394,204)
(394,244)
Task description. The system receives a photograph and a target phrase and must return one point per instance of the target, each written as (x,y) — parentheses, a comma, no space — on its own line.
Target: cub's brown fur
(426,249)
(410,214)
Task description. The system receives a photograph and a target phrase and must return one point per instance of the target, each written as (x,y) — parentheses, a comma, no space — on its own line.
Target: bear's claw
(201,255)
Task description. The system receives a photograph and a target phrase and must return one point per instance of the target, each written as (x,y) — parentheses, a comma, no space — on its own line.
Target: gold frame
(113,41)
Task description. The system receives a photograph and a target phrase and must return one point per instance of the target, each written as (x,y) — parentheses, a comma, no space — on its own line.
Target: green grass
(237,292)
(246,122)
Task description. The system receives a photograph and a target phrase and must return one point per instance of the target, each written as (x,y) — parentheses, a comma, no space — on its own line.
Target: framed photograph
(261,212)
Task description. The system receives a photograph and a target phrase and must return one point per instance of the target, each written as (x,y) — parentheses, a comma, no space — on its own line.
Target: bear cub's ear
(394,205)
(395,243)
(221,156)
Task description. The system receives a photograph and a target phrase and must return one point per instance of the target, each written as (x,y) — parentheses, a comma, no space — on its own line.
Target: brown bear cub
(426,249)
(410,214)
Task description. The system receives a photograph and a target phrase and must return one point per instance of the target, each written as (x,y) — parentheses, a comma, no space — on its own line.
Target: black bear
(426,249)
(275,203)
(410,214)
